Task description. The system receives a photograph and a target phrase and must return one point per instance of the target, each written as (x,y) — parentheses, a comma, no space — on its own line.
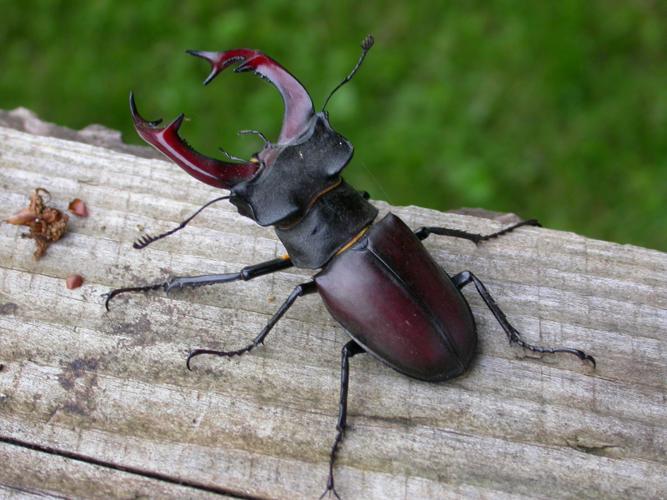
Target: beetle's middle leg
(299,291)
(466,277)
(247,273)
(349,350)
(424,232)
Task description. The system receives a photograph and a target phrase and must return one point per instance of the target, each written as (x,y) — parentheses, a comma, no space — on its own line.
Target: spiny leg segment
(247,273)
(350,349)
(464,278)
(299,291)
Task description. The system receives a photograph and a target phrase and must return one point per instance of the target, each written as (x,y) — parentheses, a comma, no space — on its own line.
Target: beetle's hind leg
(466,277)
(350,349)
(299,291)
(247,273)
(424,232)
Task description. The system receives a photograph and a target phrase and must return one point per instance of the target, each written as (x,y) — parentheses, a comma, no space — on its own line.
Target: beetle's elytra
(376,278)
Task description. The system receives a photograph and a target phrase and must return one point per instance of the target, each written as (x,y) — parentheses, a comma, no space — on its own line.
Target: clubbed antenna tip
(147,239)
(365,47)
(368,42)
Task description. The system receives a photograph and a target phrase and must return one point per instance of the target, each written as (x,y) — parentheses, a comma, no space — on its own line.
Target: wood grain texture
(96,404)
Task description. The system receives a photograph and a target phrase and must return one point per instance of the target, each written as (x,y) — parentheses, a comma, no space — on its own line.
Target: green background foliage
(554,110)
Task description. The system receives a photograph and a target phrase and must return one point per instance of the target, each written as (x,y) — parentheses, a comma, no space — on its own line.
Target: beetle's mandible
(376,278)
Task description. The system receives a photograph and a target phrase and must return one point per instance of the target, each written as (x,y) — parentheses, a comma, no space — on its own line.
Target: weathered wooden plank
(113,387)
(28,473)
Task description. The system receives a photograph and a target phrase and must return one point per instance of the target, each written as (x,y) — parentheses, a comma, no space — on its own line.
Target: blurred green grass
(554,110)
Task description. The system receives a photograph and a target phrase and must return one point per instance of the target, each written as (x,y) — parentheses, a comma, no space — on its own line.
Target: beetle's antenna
(365,47)
(230,156)
(147,239)
(258,134)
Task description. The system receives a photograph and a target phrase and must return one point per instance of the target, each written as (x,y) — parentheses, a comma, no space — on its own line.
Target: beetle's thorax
(333,221)
(292,175)
(299,190)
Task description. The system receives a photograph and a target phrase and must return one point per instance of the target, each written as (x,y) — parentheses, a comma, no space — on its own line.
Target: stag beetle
(375,278)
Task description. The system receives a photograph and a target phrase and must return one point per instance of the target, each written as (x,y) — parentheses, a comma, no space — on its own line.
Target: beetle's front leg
(247,273)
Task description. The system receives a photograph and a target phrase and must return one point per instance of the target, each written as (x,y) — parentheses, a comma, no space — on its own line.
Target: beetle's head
(299,120)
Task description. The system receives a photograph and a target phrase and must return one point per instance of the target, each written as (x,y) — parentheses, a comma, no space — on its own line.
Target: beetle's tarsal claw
(107,298)
(589,358)
(199,352)
(580,354)
(187,361)
(329,491)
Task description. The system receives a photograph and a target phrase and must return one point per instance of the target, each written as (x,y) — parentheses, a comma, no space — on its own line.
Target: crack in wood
(130,470)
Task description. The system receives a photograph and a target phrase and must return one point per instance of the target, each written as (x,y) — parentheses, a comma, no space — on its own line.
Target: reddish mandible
(376,278)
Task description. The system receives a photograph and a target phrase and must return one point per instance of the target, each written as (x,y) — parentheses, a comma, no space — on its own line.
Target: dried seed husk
(78,207)
(74,281)
(47,224)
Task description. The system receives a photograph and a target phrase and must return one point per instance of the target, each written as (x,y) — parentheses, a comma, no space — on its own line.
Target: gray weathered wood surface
(101,405)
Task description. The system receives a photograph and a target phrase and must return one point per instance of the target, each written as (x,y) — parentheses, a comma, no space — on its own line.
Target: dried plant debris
(74,281)
(47,224)
(78,207)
